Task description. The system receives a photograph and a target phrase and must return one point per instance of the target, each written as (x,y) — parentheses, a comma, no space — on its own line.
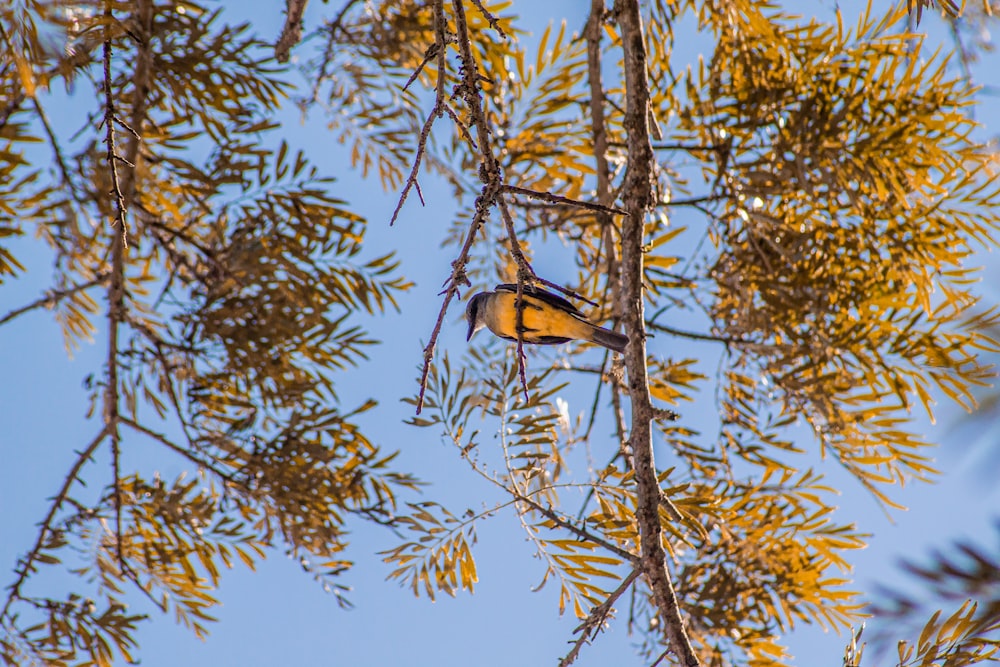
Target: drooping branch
(490,174)
(116,286)
(637,195)
(123,190)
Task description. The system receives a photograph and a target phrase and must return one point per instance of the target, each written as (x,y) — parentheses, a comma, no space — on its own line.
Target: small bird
(547,318)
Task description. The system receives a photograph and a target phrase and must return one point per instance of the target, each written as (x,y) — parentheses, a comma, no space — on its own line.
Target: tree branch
(52,297)
(116,287)
(726,340)
(597,617)
(324,69)
(123,188)
(27,564)
(163,440)
(437,50)
(559,199)
(291,34)
(637,194)
(490,174)
(581,533)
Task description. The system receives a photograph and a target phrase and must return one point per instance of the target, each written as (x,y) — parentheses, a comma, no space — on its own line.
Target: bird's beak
(472,330)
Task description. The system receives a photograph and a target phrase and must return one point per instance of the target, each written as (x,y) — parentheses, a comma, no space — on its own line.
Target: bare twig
(726,340)
(291,34)
(186,453)
(437,50)
(597,617)
(691,148)
(490,174)
(582,533)
(463,128)
(146,589)
(429,55)
(694,202)
(123,191)
(637,195)
(457,276)
(56,148)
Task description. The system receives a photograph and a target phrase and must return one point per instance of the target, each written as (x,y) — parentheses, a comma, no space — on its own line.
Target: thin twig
(134,577)
(559,199)
(726,340)
(490,173)
(56,149)
(53,297)
(331,36)
(694,202)
(691,148)
(490,18)
(116,289)
(581,533)
(439,49)
(463,128)
(26,565)
(190,456)
(597,617)
(429,55)
(123,187)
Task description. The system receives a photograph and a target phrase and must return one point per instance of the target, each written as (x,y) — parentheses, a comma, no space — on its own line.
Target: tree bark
(637,196)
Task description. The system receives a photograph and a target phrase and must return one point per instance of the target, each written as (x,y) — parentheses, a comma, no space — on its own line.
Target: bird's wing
(553,300)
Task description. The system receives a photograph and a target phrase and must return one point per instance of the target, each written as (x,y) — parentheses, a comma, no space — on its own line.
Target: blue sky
(278,615)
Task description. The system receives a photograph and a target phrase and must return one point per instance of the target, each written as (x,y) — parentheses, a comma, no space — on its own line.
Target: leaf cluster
(242,288)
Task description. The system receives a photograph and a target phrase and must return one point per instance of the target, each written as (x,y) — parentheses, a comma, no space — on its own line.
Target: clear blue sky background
(279,615)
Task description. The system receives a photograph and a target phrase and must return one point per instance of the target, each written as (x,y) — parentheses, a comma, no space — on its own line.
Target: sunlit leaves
(960,639)
(242,280)
(850,212)
(439,558)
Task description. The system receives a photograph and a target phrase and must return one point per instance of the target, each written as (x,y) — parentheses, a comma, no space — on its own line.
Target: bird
(547,318)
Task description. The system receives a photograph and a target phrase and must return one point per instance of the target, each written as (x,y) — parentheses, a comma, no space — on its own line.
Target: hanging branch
(491,175)
(457,276)
(637,194)
(123,192)
(116,288)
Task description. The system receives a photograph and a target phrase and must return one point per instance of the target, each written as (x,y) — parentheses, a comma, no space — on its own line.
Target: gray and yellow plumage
(547,318)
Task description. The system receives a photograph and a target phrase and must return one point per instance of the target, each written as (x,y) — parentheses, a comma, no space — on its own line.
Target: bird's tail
(609,339)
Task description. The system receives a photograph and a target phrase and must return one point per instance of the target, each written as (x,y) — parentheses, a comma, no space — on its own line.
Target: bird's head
(475,313)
